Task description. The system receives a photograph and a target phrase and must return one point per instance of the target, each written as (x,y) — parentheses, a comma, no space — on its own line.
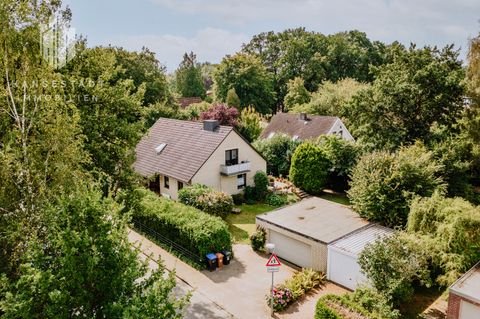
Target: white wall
(209,173)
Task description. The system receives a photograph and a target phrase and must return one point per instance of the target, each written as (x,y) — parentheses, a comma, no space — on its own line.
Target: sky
(214,28)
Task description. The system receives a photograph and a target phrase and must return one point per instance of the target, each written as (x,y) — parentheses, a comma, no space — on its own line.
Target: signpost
(273,266)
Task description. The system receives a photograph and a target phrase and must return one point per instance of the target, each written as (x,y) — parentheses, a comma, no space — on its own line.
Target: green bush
(394,263)
(206,199)
(309,169)
(261,185)
(322,311)
(238,199)
(250,194)
(278,152)
(383,184)
(294,288)
(276,200)
(191,228)
(303,281)
(453,225)
(258,239)
(365,302)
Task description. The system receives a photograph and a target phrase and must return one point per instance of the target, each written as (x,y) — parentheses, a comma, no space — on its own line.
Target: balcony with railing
(235,169)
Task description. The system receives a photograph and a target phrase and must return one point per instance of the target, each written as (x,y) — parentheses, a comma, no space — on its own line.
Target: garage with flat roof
(302,232)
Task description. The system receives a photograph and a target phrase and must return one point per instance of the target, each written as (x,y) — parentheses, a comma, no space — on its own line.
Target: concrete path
(236,291)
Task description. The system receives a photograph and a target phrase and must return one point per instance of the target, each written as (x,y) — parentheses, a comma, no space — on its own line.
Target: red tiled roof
(188,147)
(292,125)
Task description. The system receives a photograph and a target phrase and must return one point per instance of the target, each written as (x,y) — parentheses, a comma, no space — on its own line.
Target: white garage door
(292,250)
(469,311)
(344,269)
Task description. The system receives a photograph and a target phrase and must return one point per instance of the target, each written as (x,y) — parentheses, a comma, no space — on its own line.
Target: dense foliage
(392,264)
(206,199)
(363,301)
(249,78)
(223,114)
(332,98)
(309,168)
(110,110)
(189,227)
(315,57)
(296,95)
(84,266)
(250,124)
(420,88)
(343,156)
(383,184)
(188,77)
(294,288)
(232,98)
(278,151)
(258,239)
(453,225)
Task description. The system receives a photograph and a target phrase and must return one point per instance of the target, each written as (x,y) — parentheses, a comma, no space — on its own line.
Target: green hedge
(364,301)
(206,199)
(322,311)
(191,228)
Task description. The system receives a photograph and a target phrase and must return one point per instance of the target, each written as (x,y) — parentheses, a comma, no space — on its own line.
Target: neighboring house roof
(293,125)
(187,147)
(186,101)
(355,242)
(468,286)
(317,219)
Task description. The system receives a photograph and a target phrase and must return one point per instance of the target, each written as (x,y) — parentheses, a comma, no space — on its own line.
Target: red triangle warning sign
(273,261)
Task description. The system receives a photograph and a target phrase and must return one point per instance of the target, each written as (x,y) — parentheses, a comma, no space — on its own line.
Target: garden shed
(302,232)
(342,264)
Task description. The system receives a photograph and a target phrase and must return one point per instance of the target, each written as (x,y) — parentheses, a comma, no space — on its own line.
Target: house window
(180,185)
(166,182)
(231,157)
(241,181)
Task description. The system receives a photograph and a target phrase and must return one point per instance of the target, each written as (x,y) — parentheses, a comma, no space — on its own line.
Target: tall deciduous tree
(110,114)
(40,137)
(297,94)
(84,266)
(188,76)
(223,114)
(250,79)
(278,151)
(419,88)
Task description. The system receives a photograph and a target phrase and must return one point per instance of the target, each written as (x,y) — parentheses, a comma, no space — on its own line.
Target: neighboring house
(319,234)
(464,296)
(177,153)
(303,126)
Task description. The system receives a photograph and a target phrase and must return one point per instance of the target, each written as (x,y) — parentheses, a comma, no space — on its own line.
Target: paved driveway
(236,291)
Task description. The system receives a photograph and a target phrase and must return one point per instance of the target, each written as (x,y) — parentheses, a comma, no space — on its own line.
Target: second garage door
(292,250)
(344,269)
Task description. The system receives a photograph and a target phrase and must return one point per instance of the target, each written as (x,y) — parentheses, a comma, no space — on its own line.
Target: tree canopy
(250,79)
(189,80)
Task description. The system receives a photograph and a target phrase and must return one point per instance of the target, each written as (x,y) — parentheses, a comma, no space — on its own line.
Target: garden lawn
(335,197)
(242,225)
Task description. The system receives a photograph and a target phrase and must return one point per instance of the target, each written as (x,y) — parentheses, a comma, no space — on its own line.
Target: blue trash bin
(211,261)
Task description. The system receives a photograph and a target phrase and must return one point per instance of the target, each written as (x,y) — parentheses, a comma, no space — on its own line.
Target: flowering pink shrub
(282,297)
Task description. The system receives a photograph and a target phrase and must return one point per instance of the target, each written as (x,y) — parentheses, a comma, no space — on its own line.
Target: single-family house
(177,153)
(464,296)
(304,126)
(323,235)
